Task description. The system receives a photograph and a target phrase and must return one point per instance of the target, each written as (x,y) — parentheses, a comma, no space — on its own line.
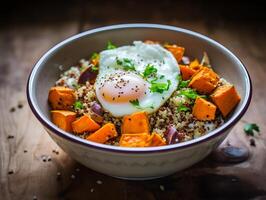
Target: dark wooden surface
(28,30)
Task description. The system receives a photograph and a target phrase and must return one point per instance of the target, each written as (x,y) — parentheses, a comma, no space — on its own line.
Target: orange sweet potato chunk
(61,98)
(157,140)
(151,42)
(203,109)
(63,119)
(84,123)
(177,51)
(102,135)
(135,140)
(195,65)
(186,72)
(204,81)
(226,98)
(135,123)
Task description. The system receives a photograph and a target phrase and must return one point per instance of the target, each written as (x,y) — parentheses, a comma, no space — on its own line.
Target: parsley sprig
(78,105)
(149,70)
(191,94)
(110,45)
(159,87)
(181,107)
(181,83)
(250,129)
(126,63)
(135,103)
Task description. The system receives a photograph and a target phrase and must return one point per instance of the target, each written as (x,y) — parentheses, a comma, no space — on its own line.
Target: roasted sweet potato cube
(186,72)
(135,140)
(203,109)
(157,140)
(63,119)
(102,135)
(135,123)
(177,51)
(204,81)
(61,98)
(226,98)
(84,123)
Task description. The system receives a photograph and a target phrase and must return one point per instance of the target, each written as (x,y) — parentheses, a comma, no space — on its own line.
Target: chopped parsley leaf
(136,104)
(149,70)
(181,107)
(95,56)
(251,128)
(162,76)
(126,63)
(191,94)
(94,68)
(182,84)
(110,45)
(78,105)
(160,87)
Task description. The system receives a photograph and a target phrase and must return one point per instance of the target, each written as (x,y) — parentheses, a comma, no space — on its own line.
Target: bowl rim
(72,138)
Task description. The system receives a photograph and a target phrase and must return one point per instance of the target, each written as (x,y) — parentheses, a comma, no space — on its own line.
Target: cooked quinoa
(167,114)
(161,96)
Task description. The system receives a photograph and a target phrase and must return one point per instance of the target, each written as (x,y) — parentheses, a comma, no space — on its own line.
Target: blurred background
(29,28)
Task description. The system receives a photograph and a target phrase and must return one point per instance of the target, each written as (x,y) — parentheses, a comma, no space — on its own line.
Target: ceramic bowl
(135,163)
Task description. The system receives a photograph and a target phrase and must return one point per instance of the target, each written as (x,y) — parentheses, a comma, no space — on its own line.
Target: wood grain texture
(29,152)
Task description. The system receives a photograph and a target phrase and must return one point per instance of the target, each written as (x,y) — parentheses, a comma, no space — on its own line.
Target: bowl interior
(70,51)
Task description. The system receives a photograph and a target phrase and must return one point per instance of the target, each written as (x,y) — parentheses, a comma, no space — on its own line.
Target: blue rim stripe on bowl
(215,133)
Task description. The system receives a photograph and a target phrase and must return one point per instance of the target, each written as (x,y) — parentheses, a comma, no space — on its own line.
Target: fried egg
(122,85)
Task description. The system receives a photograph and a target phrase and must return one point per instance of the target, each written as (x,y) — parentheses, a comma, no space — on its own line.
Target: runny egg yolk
(122,88)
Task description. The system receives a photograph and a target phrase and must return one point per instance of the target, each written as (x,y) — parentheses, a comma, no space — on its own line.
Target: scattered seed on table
(58,175)
(20,105)
(162,188)
(73,176)
(10,172)
(92,189)
(25,151)
(55,151)
(44,158)
(252,142)
(49,158)
(10,136)
(34,198)
(99,182)
(12,109)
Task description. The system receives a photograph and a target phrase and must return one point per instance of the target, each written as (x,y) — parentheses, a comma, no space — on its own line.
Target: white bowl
(135,163)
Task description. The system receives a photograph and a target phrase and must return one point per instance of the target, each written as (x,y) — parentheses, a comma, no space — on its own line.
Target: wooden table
(32,166)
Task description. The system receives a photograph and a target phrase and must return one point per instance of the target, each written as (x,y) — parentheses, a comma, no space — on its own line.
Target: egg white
(141,54)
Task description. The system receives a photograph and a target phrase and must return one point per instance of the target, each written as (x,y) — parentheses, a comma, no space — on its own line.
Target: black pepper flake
(10,136)
(10,172)
(12,109)
(113,98)
(25,151)
(20,105)
(252,142)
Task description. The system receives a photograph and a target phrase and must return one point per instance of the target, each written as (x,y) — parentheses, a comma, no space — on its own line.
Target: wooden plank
(21,46)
